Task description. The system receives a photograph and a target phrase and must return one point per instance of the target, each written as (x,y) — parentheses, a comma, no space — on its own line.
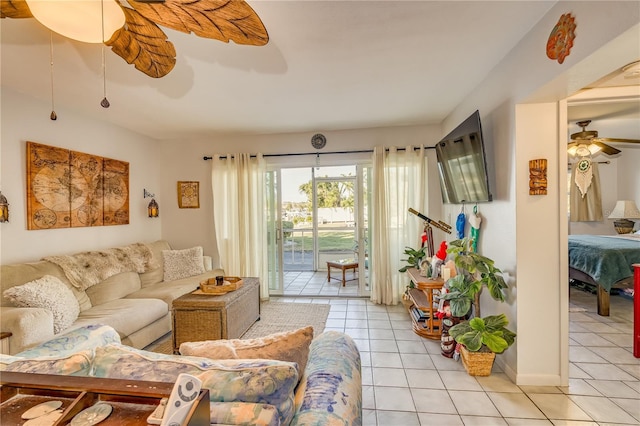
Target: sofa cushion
(330,391)
(74,364)
(79,339)
(126,316)
(171,290)
(156,275)
(8,359)
(182,263)
(257,381)
(20,273)
(292,346)
(243,414)
(50,293)
(115,287)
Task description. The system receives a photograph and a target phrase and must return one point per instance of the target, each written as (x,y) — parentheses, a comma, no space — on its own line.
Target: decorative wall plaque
(188,195)
(561,38)
(538,177)
(68,189)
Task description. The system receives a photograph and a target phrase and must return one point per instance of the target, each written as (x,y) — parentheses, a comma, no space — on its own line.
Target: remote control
(183,396)
(155,418)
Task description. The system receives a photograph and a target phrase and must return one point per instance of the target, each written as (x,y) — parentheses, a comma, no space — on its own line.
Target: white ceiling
(329,65)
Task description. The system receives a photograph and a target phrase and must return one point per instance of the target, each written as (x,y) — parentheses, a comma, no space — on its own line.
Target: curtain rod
(206,157)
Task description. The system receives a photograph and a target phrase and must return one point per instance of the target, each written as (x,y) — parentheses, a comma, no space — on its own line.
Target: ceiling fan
(587,142)
(140,41)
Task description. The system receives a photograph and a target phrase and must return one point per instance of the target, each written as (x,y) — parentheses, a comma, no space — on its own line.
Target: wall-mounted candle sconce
(4,208)
(153,209)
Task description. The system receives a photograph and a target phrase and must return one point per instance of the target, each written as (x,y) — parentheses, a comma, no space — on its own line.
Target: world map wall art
(69,189)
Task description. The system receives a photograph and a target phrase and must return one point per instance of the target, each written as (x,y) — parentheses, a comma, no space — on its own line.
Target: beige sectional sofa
(136,305)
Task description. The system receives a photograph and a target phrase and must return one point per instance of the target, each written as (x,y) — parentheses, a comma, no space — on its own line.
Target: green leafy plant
(474,273)
(414,257)
(287,226)
(488,333)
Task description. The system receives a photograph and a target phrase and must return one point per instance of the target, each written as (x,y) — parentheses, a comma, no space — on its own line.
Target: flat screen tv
(462,164)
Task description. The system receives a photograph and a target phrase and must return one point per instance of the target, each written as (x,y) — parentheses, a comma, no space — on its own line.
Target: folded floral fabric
(260,381)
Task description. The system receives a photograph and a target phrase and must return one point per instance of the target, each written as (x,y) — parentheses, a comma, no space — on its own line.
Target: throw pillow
(49,293)
(291,346)
(182,263)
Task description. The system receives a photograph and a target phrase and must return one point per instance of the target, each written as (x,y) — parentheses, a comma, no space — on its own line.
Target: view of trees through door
(323,217)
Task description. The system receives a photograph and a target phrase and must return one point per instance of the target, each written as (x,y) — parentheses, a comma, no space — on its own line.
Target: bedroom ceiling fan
(587,142)
(135,35)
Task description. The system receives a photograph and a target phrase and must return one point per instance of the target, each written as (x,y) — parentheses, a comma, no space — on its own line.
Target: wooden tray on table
(210,287)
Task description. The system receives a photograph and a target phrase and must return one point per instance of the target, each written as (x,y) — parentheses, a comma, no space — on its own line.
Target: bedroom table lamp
(623,211)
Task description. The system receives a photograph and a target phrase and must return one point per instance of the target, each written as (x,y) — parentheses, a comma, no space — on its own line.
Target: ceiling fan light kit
(79,20)
(587,142)
(583,150)
(132,28)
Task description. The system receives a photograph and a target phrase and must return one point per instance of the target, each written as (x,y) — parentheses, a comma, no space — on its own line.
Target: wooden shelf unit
(423,297)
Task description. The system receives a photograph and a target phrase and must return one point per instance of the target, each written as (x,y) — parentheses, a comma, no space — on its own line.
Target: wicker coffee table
(198,317)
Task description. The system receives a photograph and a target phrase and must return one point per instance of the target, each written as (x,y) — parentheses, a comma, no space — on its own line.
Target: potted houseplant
(474,273)
(481,338)
(414,259)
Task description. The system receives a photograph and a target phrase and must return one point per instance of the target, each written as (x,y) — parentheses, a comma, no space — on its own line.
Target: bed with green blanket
(604,261)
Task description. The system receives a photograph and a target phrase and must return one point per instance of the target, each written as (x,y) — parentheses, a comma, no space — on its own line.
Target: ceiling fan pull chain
(53,115)
(105,102)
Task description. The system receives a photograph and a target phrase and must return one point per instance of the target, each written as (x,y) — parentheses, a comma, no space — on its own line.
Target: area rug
(275,317)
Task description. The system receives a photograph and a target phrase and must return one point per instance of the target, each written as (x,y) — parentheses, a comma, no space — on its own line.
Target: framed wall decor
(189,194)
(70,189)
(538,177)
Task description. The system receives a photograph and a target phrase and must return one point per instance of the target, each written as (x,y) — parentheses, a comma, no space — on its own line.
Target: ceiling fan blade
(141,43)
(15,9)
(607,149)
(222,20)
(618,140)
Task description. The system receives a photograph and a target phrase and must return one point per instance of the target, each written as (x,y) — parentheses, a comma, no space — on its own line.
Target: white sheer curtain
(399,182)
(238,215)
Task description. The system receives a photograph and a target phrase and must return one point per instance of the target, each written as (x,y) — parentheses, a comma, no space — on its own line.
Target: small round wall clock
(561,38)
(318,141)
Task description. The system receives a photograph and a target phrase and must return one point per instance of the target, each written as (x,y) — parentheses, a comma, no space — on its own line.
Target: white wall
(531,250)
(620,179)
(26,119)
(182,160)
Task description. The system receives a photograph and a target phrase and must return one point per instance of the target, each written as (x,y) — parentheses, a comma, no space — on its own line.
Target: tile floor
(309,283)
(407,382)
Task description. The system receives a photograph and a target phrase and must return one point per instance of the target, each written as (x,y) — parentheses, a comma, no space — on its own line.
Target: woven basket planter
(477,363)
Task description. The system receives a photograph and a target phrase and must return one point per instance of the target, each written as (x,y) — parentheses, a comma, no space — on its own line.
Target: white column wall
(26,119)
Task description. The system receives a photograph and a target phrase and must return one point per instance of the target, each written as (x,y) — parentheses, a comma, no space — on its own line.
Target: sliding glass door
(274,233)
(318,215)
